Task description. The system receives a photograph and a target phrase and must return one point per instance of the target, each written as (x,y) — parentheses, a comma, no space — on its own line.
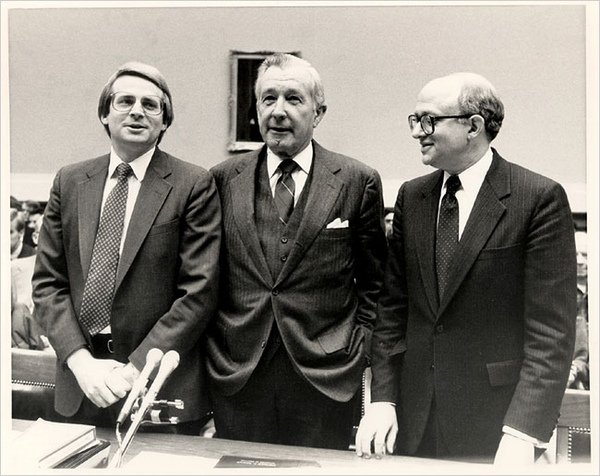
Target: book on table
(47,444)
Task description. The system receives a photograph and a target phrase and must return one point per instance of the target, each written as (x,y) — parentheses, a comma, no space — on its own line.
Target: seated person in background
(579,375)
(26,332)
(32,211)
(18,249)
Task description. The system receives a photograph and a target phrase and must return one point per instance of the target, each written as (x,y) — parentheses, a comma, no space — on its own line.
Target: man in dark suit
(103,311)
(301,269)
(476,323)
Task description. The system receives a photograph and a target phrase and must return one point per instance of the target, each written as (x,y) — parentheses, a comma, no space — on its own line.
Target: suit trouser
(279,406)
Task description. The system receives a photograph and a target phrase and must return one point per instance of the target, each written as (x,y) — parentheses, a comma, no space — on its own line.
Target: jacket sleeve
(550,311)
(53,307)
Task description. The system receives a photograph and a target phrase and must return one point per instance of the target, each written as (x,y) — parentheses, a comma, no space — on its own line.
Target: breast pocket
(167,227)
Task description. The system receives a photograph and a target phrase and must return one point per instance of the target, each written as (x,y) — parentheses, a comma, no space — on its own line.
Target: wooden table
(330,461)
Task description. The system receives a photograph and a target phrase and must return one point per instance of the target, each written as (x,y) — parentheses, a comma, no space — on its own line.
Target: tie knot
(287,166)
(452,184)
(124,170)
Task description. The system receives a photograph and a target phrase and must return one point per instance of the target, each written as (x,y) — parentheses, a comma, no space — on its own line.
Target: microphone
(153,357)
(168,364)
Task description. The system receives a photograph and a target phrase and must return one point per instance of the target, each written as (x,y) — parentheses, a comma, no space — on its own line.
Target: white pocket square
(337,223)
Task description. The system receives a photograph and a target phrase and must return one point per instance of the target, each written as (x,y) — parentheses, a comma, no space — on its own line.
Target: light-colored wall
(373,61)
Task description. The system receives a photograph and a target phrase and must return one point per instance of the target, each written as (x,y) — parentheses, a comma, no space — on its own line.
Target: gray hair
(281,60)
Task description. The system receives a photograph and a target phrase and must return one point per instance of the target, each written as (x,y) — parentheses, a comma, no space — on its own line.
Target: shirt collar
(139,165)
(472,178)
(303,159)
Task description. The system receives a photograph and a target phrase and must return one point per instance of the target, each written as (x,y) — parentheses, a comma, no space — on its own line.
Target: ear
(320,112)
(104,120)
(164,127)
(477,124)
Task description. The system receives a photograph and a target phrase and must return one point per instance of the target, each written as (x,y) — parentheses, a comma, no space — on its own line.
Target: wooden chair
(573,443)
(33,384)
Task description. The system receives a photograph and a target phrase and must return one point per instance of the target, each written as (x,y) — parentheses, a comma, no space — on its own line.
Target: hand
(514,451)
(98,378)
(379,425)
(572,375)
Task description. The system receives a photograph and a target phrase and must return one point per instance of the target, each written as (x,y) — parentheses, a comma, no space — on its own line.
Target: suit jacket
(167,278)
(324,298)
(26,251)
(497,349)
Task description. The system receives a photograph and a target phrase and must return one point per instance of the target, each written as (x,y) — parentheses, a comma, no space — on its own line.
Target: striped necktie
(285,190)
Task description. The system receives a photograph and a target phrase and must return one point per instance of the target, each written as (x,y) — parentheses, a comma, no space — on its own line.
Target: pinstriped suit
(497,349)
(322,298)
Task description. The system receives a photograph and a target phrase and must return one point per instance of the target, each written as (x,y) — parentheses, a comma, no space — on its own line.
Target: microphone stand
(170,363)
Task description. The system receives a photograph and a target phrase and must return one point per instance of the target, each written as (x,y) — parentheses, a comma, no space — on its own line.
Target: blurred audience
(579,375)
(18,249)
(26,332)
(32,213)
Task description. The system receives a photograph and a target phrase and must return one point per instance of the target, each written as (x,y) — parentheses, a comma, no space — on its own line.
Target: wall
(373,61)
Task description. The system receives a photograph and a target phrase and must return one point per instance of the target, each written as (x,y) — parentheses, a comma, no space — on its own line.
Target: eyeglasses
(427,121)
(123,102)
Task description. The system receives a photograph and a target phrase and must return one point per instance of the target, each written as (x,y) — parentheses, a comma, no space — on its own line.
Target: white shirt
(470,183)
(303,159)
(134,182)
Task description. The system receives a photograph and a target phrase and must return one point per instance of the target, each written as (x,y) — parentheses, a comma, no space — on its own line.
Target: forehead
(437,97)
(136,85)
(290,77)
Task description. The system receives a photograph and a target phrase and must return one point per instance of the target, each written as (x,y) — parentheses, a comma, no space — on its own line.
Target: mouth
(425,145)
(135,126)
(279,130)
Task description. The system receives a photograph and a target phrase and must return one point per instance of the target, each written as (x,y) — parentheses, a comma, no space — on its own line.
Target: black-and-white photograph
(318,237)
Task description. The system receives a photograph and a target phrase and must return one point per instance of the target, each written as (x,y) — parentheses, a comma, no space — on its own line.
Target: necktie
(447,233)
(100,284)
(285,189)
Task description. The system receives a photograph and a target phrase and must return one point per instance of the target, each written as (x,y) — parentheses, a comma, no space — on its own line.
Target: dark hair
(482,99)
(144,71)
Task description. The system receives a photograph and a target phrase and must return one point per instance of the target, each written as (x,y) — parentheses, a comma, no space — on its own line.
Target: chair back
(573,430)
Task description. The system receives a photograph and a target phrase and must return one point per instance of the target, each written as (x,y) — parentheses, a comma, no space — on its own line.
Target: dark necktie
(100,284)
(285,190)
(447,233)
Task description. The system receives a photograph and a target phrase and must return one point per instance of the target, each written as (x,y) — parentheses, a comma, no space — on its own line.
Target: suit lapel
(153,192)
(325,188)
(427,221)
(242,192)
(487,211)
(89,197)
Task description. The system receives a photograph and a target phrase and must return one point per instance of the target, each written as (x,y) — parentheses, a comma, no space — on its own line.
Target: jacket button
(284,258)
(440,329)
(263,343)
(432,366)
(284,240)
(275,292)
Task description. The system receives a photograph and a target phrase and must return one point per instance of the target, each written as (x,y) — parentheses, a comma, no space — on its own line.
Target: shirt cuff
(522,436)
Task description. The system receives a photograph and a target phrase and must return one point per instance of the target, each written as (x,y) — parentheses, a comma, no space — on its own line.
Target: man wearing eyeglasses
(127,260)
(476,323)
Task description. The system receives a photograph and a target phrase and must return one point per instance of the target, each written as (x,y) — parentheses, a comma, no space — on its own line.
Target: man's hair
(144,71)
(478,96)
(18,221)
(281,60)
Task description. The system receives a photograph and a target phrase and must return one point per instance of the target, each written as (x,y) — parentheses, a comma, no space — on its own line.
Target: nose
(416,131)
(279,108)
(137,109)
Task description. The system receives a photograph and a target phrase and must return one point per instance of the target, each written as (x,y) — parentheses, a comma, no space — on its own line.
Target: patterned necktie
(447,233)
(285,189)
(100,284)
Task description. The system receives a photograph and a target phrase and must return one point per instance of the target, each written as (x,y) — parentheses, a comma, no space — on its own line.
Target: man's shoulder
(520,176)
(182,166)
(234,164)
(341,160)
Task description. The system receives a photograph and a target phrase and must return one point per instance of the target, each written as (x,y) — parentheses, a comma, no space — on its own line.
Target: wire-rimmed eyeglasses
(427,121)
(123,102)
